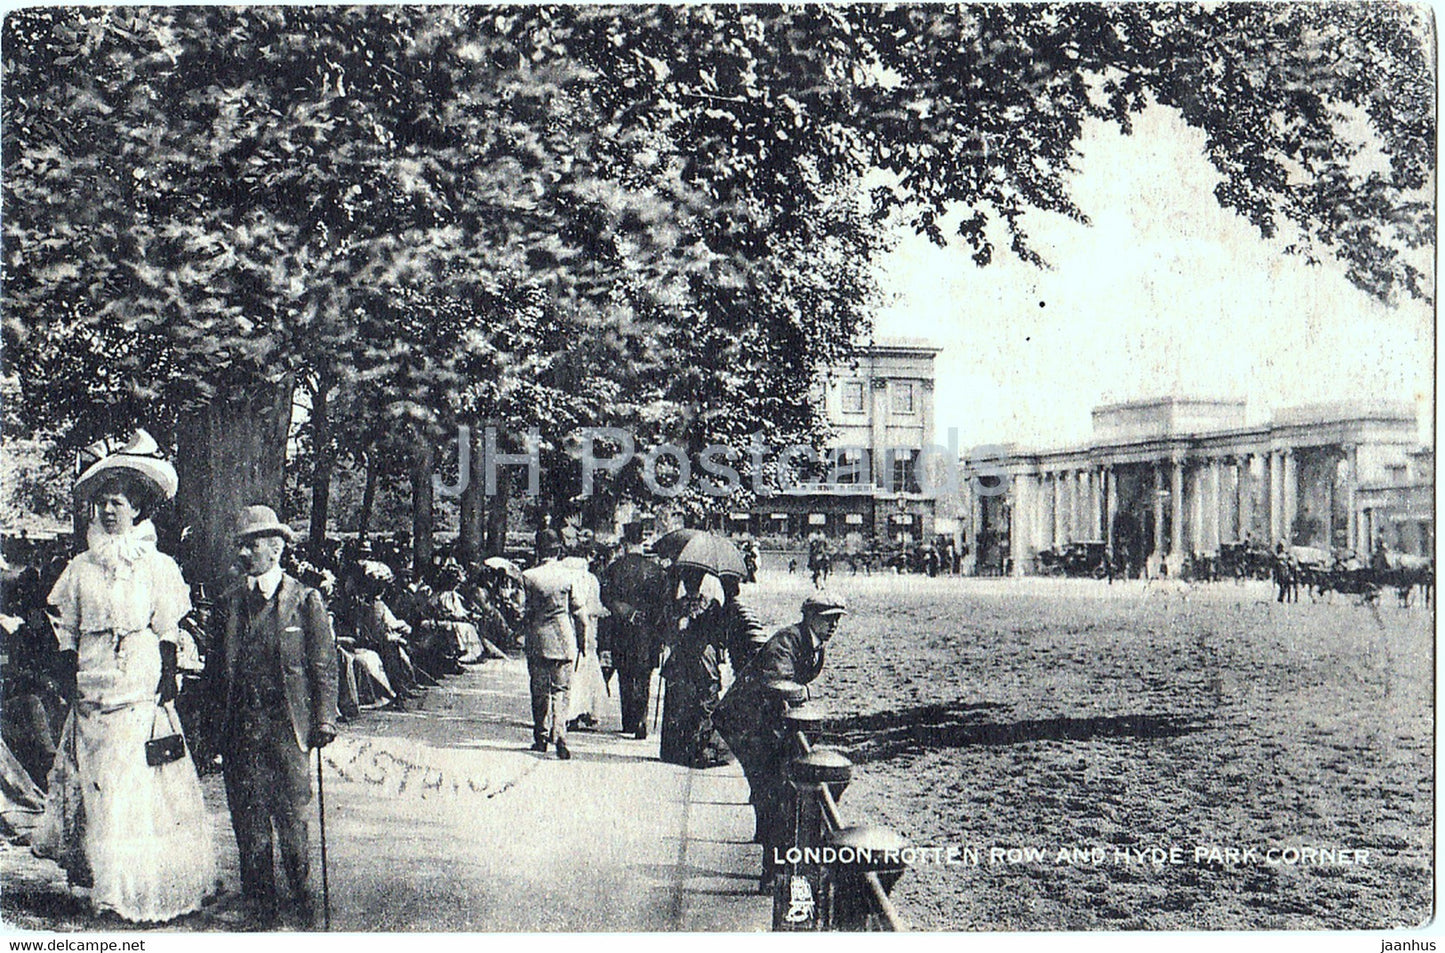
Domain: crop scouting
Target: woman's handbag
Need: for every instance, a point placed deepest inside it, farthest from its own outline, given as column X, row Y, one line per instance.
column 167, row 748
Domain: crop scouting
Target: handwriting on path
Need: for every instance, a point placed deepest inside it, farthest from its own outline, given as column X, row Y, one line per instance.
column 393, row 769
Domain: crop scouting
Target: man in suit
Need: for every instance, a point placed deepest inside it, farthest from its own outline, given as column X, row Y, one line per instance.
column 634, row 637
column 273, row 665
column 555, row 627
column 750, row 717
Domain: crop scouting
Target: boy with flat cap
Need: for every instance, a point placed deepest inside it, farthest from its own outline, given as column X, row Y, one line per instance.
column 750, row 717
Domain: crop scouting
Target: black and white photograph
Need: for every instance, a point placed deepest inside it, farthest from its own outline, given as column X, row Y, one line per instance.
column 716, row 469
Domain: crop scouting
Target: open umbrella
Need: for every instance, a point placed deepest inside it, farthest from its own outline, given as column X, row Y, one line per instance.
column 636, row 579
column 668, row 545
column 706, row 552
column 374, row 569
column 504, row 566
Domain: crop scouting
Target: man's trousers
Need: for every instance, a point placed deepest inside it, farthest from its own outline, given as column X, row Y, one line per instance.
column 634, row 688
column 268, row 786
column 551, row 681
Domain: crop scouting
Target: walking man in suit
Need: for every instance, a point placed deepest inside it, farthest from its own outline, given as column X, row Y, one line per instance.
column 556, row 627
column 273, row 665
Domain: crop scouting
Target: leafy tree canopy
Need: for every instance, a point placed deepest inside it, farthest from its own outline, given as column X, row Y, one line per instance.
column 640, row 216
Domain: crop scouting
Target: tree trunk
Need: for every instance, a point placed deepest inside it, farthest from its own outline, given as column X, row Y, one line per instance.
column 474, row 504
column 368, row 495
column 497, row 512
column 325, row 464
column 423, row 464
column 231, row 454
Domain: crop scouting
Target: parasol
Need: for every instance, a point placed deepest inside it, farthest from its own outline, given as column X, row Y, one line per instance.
column 702, row 551
column 668, row 545
column 635, row 579
column 504, row 566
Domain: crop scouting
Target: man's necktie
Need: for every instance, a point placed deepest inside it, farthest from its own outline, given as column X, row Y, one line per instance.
column 255, row 600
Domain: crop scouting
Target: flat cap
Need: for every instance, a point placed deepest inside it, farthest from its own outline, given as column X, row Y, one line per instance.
column 823, row 603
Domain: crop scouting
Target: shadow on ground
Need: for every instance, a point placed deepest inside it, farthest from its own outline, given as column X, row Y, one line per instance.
column 883, row 735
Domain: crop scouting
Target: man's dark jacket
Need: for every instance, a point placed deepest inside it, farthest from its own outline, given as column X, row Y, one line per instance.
column 307, row 656
column 788, row 655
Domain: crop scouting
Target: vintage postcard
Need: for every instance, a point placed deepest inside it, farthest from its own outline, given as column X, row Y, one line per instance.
column 710, row 468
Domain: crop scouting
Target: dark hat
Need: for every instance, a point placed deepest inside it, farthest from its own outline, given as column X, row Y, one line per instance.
column 262, row 521
column 822, row 603
column 548, row 541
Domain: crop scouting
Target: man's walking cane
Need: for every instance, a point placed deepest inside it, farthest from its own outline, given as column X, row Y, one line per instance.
column 321, row 810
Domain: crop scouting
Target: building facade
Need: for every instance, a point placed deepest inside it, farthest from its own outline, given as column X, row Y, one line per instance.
column 1400, row 512
column 1165, row 478
column 880, row 410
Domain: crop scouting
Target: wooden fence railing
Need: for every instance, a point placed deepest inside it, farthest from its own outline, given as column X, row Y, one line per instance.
column 830, row 875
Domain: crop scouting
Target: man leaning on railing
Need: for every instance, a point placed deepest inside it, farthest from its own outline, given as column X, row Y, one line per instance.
column 750, row 716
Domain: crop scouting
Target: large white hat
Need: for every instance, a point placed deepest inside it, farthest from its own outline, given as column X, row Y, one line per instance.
column 141, row 456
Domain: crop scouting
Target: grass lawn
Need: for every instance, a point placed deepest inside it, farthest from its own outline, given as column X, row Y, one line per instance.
column 1072, row 714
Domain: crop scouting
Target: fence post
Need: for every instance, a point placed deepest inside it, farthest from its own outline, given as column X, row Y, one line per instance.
column 798, row 884
column 769, row 792
column 805, row 719
column 862, row 851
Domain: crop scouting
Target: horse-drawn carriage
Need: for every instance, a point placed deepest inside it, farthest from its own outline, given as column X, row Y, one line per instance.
column 1245, row 560
column 1081, row 558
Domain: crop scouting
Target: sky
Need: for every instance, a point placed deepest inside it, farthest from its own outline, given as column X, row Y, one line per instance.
column 1164, row 293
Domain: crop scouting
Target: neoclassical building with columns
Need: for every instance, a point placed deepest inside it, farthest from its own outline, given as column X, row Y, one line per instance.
column 1165, row 478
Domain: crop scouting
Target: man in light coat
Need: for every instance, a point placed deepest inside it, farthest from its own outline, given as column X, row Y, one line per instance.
column 273, row 668
column 555, row 624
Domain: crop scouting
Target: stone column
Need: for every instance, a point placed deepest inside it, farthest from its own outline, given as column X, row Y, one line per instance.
column 1176, row 489
column 1066, row 510
column 975, row 515
column 1271, row 474
column 1158, row 510
column 1111, row 507
column 1071, row 501
column 1243, row 512
column 1081, row 504
column 1194, row 493
column 1022, row 524
column 1214, row 501
column 1094, row 488
column 1058, row 492
column 1068, row 493
column 1352, row 484
column 1289, row 503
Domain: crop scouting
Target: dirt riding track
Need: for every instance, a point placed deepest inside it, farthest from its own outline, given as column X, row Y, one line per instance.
column 1072, row 714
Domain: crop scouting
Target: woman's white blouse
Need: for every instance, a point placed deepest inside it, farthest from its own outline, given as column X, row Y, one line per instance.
column 120, row 585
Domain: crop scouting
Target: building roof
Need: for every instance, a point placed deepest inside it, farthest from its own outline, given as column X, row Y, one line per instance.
column 898, row 344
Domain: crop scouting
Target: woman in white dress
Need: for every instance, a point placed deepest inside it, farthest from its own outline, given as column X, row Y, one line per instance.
column 136, row 834
column 589, row 692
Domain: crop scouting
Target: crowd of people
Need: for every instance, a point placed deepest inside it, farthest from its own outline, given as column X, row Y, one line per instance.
column 123, row 684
